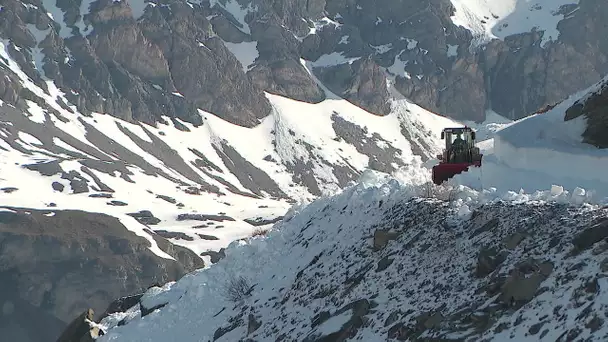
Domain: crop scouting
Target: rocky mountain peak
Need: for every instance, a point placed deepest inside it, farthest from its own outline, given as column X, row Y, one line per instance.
column 145, row 60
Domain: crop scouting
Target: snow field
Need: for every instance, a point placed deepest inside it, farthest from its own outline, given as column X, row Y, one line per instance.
column 493, row 19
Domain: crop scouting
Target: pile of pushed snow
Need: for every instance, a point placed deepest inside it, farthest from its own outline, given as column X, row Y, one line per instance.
column 407, row 267
column 543, row 151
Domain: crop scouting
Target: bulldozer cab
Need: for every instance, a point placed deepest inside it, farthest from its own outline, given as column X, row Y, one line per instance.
column 452, row 134
column 460, row 153
column 459, row 145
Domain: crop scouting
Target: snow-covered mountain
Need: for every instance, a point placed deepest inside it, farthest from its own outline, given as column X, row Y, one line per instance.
column 169, row 129
column 204, row 186
column 392, row 258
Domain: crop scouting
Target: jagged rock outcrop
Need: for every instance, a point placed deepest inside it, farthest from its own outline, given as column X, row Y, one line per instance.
column 168, row 59
column 594, row 107
column 166, row 63
column 58, row 263
column 81, row 329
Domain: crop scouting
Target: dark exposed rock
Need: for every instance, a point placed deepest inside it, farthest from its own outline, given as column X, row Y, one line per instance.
column 182, row 255
column 487, row 261
column 288, row 78
column 145, row 311
column 524, row 280
column 145, row 217
column 167, row 198
column 252, row 324
column 117, row 203
column 224, row 330
column 383, row 264
column 57, row 186
column 45, row 168
column 101, row 195
column 58, row 265
column 99, row 185
column 80, row 330
column 359, row 308
column 122, row 304
column 204, row 217
column 78, row 183
column 591, row 236
column 215, row 256
column 382, row 237
column 382, row 155
column 361, row 82
column 207, row 237
column 259, row 221
column 252, row 178
column 174, row 235
column 512, row 241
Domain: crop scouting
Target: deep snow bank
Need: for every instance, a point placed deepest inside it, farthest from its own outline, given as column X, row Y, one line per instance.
column 373, row 263
column 545, row 144
column 543, row 151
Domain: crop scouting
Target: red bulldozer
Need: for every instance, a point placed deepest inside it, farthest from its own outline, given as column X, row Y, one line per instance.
column 460, row 153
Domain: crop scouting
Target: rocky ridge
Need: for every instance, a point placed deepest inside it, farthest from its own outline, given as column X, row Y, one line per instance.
column 149, row 60
column 370, row 266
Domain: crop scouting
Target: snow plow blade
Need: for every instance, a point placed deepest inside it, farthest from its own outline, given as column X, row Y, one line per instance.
column 443, row 172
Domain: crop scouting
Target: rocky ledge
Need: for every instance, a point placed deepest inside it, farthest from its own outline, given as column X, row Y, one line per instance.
column 168, row 58
column 594, row 108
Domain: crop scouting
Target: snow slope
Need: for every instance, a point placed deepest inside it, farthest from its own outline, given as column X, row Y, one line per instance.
column 227, row 182
column 490, row 19
column 331, row 269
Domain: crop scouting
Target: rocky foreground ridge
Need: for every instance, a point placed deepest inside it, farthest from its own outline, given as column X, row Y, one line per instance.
column 141, row 60
column 368, row 265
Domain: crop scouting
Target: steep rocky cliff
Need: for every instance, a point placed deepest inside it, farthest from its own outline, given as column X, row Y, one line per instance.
column 56, row 263
column 144, row 60
column 594, row 108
